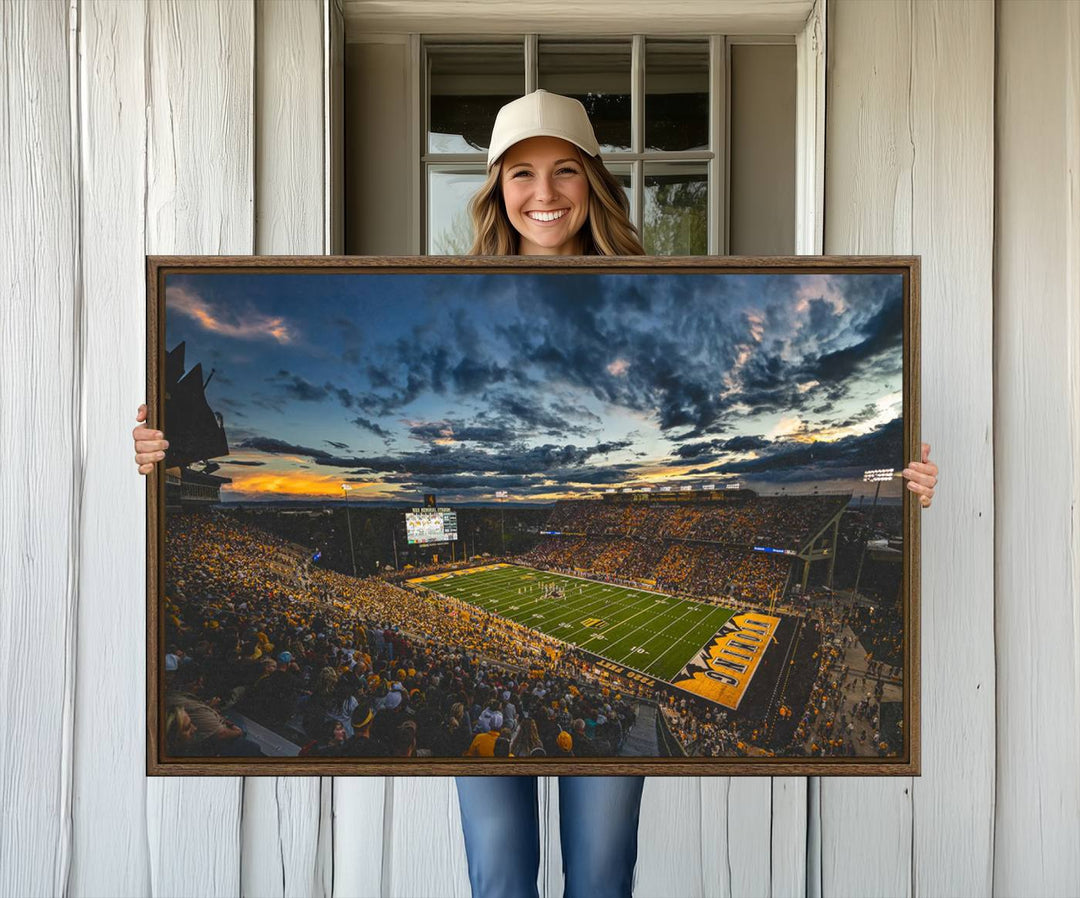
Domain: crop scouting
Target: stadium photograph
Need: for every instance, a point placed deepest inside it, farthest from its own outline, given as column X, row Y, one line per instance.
column 511, row 515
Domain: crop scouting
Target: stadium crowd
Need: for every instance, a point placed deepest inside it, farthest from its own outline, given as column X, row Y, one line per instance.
column 778, row 521
column 699, row 569
column 361, row 668
column 364, row 667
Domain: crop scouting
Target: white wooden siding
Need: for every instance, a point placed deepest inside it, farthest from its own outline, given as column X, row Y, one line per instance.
column 1037, row 451
column 135, row 127
column 41, row 434
column 909, row 150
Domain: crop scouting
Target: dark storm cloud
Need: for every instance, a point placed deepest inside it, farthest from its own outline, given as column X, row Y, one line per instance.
column 336, row 444
column 471, row 376
column 864, row 414
column 394, row 396
column 296, row 387
column 673, row 360
column 364, row 424
column 479, row 484
column 485, row 432
column 532, row 416
column 597, row 476
column 236, row 461
column 790, row 460
column 449, row 459
column 572, row 410
column 636, row 369
column 432, row 359
column 883, row 332
column 280, row 447
column 711, row 448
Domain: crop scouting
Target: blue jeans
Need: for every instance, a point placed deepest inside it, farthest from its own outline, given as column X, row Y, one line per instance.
column 598, row 821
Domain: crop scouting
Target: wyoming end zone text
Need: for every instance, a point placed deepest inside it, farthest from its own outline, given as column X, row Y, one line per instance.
column 453, row 516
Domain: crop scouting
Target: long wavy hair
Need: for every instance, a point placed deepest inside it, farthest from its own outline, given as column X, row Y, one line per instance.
column 607, row 230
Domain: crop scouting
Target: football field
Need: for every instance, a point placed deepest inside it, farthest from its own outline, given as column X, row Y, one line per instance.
column 646, row 631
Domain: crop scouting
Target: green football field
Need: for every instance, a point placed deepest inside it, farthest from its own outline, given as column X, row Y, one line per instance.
column 647, row 631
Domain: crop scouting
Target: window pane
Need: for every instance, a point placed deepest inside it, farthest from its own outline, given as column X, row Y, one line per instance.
column 623, row 174
column 676, row 209
column 676, row 95
column 597, row 74
column 467, row 84
column 449, row 191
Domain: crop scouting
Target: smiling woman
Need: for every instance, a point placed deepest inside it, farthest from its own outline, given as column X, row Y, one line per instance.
column 546, row 196
column 547, row 190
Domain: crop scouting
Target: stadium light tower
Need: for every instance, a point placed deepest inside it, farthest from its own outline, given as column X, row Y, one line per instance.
column 348, row 519
column 876, row 476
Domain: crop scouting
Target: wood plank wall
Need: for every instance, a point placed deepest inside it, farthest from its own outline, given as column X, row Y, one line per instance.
column 1037, row 450
column 179, row 127
column 909, row 169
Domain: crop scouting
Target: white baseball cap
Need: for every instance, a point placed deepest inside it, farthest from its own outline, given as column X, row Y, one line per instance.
column 541, row 114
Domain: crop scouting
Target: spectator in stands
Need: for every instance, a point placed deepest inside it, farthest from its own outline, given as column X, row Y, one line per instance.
column 215, row 735
column 179, row 731
column 404, row 740
column 527, row 743
column 361, row 744
column 483, row 743
column 564, row 745
column 584, row 747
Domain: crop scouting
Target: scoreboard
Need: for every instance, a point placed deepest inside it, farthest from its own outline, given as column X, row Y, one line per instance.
column 430, row 525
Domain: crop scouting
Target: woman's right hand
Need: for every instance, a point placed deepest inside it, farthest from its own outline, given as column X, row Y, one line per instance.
column 150, row 445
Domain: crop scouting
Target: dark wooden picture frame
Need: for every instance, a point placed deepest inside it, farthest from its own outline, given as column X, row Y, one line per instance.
column 679, row 511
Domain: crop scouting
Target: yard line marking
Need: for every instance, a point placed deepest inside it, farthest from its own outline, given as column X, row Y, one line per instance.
column 679, row 642
column 498, row 596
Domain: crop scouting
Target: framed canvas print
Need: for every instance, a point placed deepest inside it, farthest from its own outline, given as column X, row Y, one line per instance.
column 533, row 516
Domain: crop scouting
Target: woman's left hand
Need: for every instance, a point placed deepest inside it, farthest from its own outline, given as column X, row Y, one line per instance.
column 922, row 477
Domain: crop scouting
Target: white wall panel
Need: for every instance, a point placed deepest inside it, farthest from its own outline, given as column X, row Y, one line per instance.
column 360, row 812
column 41, row 435
column 866, row 823
column 200, row 187
column 109, row 813
column 424, row 849
column 670, row 840
column 952, row 131
column 289, row 132
column 910, row 170
column 1037, row 446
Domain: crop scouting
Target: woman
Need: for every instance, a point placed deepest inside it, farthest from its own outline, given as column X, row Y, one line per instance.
column 548, row 193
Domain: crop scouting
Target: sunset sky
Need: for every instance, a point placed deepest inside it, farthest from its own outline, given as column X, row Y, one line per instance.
column 544, row 385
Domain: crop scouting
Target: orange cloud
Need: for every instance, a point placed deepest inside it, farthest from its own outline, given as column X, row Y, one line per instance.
column 255, row 327
column 305, row 484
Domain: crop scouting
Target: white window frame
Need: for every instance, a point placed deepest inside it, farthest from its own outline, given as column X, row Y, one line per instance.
column 809, row 42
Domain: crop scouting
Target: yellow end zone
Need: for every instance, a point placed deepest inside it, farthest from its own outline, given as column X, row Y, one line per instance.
column 722, row 670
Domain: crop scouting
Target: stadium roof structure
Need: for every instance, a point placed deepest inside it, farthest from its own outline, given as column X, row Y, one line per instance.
column 826, row 523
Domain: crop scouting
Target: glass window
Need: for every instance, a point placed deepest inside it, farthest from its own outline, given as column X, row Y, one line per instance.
column 676, row 210
column 597, row 74
column 467, row 84
column 449, row 190
column 676, row 95
column 624, row 174
column 650, row 103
